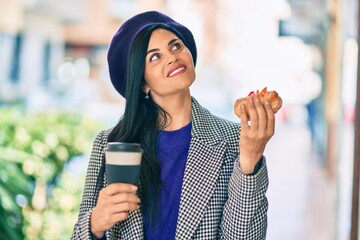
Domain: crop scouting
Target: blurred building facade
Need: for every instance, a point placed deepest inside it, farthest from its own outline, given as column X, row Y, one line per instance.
column 236, row 44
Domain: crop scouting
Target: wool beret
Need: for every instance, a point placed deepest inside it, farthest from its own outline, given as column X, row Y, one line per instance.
column 121, row 43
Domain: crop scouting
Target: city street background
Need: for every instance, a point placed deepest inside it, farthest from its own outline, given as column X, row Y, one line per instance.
column 55, row 95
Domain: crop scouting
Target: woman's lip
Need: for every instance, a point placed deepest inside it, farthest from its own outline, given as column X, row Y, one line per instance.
column 176, row 68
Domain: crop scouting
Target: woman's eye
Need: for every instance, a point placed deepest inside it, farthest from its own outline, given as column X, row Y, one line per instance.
column 154, row 57
column 176, row 46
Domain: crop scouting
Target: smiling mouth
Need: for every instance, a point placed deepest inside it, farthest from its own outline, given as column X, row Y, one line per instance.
column 176, row 71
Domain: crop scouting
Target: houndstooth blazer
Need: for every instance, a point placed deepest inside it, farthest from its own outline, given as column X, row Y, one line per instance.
column 217, row 200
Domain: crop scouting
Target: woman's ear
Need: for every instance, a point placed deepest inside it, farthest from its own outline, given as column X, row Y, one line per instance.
column 146, row 88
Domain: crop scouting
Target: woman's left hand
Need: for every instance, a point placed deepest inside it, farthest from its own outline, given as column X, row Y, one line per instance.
column 255, row 132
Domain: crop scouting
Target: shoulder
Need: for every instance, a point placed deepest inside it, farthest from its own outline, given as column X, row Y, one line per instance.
column 207, row 125
column 203, row 116
column 226, row 130
column 102, row 137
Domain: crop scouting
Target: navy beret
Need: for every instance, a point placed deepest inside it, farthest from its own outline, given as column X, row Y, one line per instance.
column 121, row 43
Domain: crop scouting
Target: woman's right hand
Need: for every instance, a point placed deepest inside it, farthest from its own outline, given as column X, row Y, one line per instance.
column 113, row 205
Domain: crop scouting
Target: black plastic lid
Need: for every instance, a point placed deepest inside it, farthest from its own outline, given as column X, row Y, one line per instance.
column 123, row 147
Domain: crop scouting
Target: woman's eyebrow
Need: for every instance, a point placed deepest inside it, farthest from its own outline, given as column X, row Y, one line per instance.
column 157, row 49
column 152, row 50
column 172, row 41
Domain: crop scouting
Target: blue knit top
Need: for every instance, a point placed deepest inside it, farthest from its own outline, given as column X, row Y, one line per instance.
column 172, row 151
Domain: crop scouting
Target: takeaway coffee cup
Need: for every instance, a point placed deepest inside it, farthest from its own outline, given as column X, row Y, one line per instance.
column 123, row 162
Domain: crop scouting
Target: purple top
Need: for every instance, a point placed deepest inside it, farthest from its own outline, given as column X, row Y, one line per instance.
column 172, row 151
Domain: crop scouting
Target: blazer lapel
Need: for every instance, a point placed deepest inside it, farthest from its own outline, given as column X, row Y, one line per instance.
column 201, row 173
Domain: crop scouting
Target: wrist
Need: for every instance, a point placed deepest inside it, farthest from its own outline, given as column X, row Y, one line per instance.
column 98, row 233
column 93, row 237
column 248, row 165
column 245, row 169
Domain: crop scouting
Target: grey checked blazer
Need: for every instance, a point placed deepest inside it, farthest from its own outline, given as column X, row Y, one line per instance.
column 217, row 200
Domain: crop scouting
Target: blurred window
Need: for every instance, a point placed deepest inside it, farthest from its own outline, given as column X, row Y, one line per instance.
column 47, row 60
column 6, row 46
column 15, row 61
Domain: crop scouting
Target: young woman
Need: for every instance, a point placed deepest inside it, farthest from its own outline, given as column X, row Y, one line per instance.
column 199, row 179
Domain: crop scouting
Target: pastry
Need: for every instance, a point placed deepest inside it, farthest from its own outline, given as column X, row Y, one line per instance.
column 272, row 96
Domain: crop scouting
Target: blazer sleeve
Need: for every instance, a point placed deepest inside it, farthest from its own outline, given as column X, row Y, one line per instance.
column 94, row 182
column 245, row 212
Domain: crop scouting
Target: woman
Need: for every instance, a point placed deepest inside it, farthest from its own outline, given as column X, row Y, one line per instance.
column 199, row 179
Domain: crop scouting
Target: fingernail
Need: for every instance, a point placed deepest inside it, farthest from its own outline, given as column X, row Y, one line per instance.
column 134, row 187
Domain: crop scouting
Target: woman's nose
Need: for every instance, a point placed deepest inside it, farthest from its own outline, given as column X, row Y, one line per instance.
column 172, row 58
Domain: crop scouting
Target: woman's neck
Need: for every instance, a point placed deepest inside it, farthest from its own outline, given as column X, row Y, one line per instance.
column 179, row 110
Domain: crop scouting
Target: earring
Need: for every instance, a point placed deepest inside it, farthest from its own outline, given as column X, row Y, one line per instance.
column 147, row 95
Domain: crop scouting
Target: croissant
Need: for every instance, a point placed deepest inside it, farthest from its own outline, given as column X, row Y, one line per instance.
column 272, row 96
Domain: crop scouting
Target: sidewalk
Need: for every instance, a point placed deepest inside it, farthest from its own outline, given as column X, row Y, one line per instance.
column 301, row 198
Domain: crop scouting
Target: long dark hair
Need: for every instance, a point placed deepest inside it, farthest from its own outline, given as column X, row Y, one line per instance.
column 140, row 123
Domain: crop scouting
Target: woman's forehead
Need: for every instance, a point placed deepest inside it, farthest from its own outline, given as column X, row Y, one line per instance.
column 161, row 35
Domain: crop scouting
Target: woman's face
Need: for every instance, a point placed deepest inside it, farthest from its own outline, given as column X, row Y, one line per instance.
column 169, row 67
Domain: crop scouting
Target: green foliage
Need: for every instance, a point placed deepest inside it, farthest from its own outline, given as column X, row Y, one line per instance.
column 38, row 200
